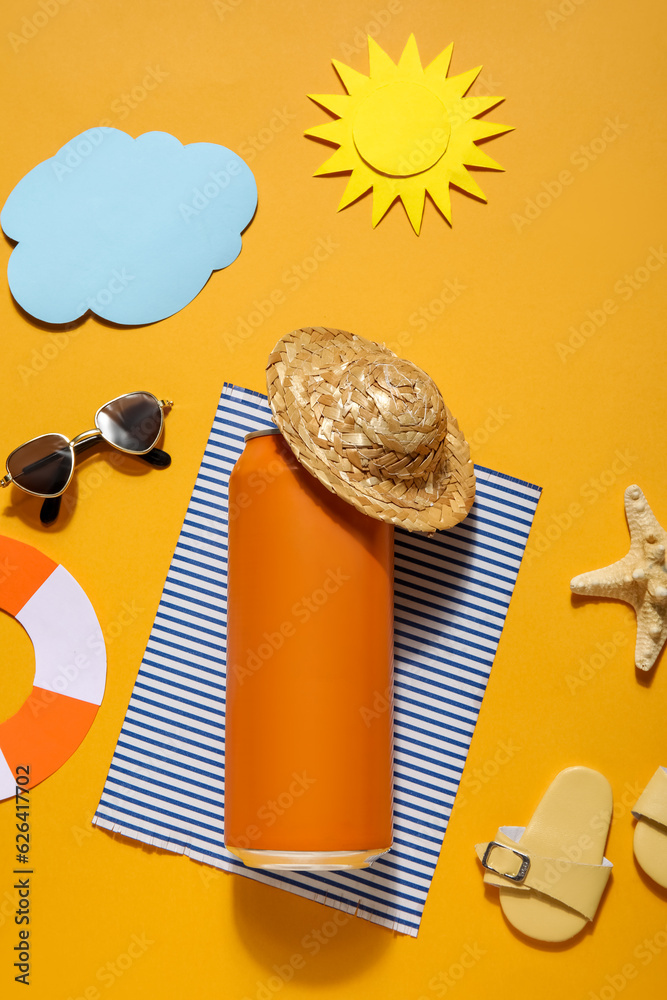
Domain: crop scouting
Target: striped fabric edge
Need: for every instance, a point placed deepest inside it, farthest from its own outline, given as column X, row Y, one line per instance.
column 447, row 633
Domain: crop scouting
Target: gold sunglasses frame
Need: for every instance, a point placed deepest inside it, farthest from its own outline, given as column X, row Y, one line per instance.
column 84, row 438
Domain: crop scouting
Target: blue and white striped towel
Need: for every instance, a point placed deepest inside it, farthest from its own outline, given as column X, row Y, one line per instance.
column 165, row 785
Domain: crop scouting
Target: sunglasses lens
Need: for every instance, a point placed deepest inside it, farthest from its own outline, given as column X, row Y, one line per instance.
column 42, row 466
column 132, row 422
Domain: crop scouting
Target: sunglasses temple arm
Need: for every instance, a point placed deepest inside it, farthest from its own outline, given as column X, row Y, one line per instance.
column 50, row 510
column 51, row 505
column 157, row 458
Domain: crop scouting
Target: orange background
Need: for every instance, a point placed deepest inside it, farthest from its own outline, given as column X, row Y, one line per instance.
column 110, row 915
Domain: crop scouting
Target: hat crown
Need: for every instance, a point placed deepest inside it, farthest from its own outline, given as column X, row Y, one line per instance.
column 371, row 427
column 392, row 411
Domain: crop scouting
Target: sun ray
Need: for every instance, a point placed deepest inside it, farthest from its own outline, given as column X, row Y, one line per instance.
column 337, row 104
column 437, row 70
column 335, row 132
column 476, row 157
column 478, row 105
column 413, row 200
column 459, row 85
column 381, row 66
column 403, row 131
column 410, row 64
column 343, row 159
column 384, row 195
column 439, row 191
column 359, row 183
column 460, row 177
column 476, row 129
column 353, row 81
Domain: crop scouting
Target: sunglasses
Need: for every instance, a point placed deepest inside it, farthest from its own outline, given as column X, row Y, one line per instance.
column 44, row 466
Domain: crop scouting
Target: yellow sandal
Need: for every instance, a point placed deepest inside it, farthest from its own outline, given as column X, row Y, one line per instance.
column 650, row 841
column 552, row 873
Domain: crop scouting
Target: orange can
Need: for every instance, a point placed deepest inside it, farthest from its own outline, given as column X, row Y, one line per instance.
column 308, row 755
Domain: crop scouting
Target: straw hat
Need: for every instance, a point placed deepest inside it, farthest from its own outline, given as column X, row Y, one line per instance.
column 372, row 427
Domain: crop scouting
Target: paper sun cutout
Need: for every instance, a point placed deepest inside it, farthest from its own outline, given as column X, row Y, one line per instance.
column 404, row 131
column 129, row 229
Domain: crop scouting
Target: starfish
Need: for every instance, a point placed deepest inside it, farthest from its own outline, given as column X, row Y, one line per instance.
column 640, row 578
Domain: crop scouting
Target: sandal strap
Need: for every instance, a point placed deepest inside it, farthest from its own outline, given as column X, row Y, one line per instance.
column 508, row 864
column 652, row 803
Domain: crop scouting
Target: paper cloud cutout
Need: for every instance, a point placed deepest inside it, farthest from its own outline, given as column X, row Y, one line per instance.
column 130, row 229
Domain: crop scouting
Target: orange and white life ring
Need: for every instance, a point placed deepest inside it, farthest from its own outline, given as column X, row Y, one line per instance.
column 70, row 665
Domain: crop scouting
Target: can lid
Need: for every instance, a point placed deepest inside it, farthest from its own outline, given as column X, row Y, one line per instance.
column 264, row 430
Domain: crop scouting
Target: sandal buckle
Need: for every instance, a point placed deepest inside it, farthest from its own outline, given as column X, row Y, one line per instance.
column 523, row 868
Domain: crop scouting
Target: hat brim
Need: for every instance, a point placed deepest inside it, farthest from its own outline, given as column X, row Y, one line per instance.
column 448, row 508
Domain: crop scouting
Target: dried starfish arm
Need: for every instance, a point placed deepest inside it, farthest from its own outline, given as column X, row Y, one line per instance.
column 642, row 522
column 640, row 578
column 651, row 635
column 614, row 581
